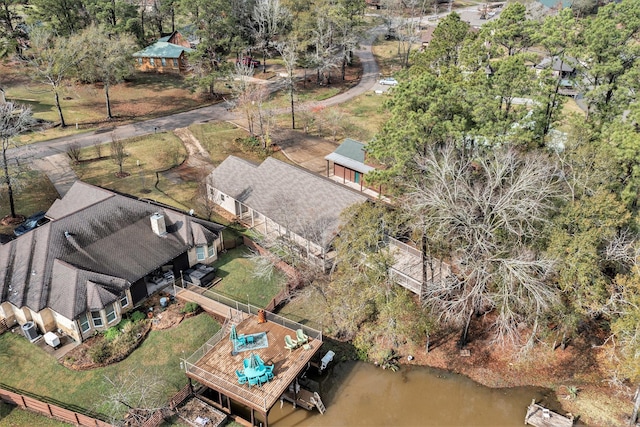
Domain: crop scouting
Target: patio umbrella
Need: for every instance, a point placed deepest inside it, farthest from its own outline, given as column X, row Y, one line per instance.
column 233, row 336
column 253, row 361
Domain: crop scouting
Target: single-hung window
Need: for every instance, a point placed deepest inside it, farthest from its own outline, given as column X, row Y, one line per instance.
column 164, row 62
column 152, row 62
column 175, row 62
column 140, row 61
column 124, row 301
column 211, row 250
column 96, row 318
column 84, row 323
column 200, row 253
column 111, row 313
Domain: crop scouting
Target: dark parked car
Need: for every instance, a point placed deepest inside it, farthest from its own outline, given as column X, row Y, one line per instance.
column 35, row 220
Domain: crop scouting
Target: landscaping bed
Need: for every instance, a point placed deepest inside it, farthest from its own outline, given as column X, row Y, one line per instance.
column 83, row 357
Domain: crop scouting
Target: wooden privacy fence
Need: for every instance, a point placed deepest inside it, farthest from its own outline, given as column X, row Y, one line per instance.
column 49, row 409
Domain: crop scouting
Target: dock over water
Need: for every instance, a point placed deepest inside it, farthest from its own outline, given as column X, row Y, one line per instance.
column 539, row 416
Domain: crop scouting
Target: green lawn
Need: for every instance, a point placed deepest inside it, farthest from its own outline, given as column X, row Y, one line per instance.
column 11, row 416
column 219, row 140
column 239, row 283
column 25, row 366
column 145, row 156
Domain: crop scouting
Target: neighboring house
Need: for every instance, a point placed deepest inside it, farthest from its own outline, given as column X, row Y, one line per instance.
column 167, row 55
column 563, row 68
column 99, row 256
column 278, row 200
column 349, row 164
column 426, row 36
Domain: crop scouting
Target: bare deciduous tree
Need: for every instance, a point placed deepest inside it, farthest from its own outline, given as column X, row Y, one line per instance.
column 289, row 52
column 136, row 392
column 118, row 153
column 14, row 119
column 269, row 19
column 484, row 212
column 73, row 152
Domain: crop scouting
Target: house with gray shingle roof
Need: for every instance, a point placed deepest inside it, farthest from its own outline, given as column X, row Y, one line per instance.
column 166, row 55
column 100, row 255
column 279, row 200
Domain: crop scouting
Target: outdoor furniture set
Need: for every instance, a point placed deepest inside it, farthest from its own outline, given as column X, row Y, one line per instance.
column 300, row 340
column 255, row 372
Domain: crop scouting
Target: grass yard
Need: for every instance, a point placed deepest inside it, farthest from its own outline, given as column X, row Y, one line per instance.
column 11, row 416
column 219, row 140
column 239, row 283
column 32, row 192
column 24, row 366
column 143, row 96
column 386, row 54
column 154, row 153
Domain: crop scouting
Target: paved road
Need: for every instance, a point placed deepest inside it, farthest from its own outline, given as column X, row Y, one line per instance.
column 217, row 112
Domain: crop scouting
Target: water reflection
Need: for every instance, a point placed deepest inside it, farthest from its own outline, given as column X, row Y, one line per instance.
column 359, row 394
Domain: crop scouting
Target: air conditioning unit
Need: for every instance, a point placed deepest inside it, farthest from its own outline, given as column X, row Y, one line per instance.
column 30, row 331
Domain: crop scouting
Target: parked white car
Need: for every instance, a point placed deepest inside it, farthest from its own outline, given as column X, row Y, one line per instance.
column 389, row 81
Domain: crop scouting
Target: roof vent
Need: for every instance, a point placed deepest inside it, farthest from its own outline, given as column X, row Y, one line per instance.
column 157, row 224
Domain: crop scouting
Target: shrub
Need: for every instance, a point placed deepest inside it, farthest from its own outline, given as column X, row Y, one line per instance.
column 111, row 333
column 137, row 316
column 190, row 307
column 100, row 352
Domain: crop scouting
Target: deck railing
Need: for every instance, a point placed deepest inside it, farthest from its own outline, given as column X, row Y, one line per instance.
column 251, row 309
column 236, row 389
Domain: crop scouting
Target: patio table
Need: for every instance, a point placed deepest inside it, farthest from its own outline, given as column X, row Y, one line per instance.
column 252, row 373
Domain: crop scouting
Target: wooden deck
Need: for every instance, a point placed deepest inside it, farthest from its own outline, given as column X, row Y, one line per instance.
column 216, row 367
column 539, row 416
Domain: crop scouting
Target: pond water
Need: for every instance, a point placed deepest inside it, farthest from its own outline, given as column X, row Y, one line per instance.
column 360, row 394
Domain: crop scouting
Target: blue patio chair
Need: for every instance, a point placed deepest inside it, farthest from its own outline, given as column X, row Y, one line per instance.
column 269, row 375
column 268, row 368
column 254, row 381
column 242, row 378
column 246, row 363
column 241, row 340
column 260, row 361
column 264, row 378
column 301, row 337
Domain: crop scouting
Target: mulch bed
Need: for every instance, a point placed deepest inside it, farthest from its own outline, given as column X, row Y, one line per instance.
column 79, row 359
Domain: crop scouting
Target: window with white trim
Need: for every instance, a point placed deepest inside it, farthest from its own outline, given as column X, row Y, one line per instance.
column 211, row 250
column 111, row 313
column 96, row 318
column 152, row 62
column 124, row 300
column 140, row 61
column 84, row 323
column 164, row 62
column 200, row 252
column 221, row 197
column 175, row 62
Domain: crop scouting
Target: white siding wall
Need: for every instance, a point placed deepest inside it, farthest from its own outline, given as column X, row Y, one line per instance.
column 226, row 202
